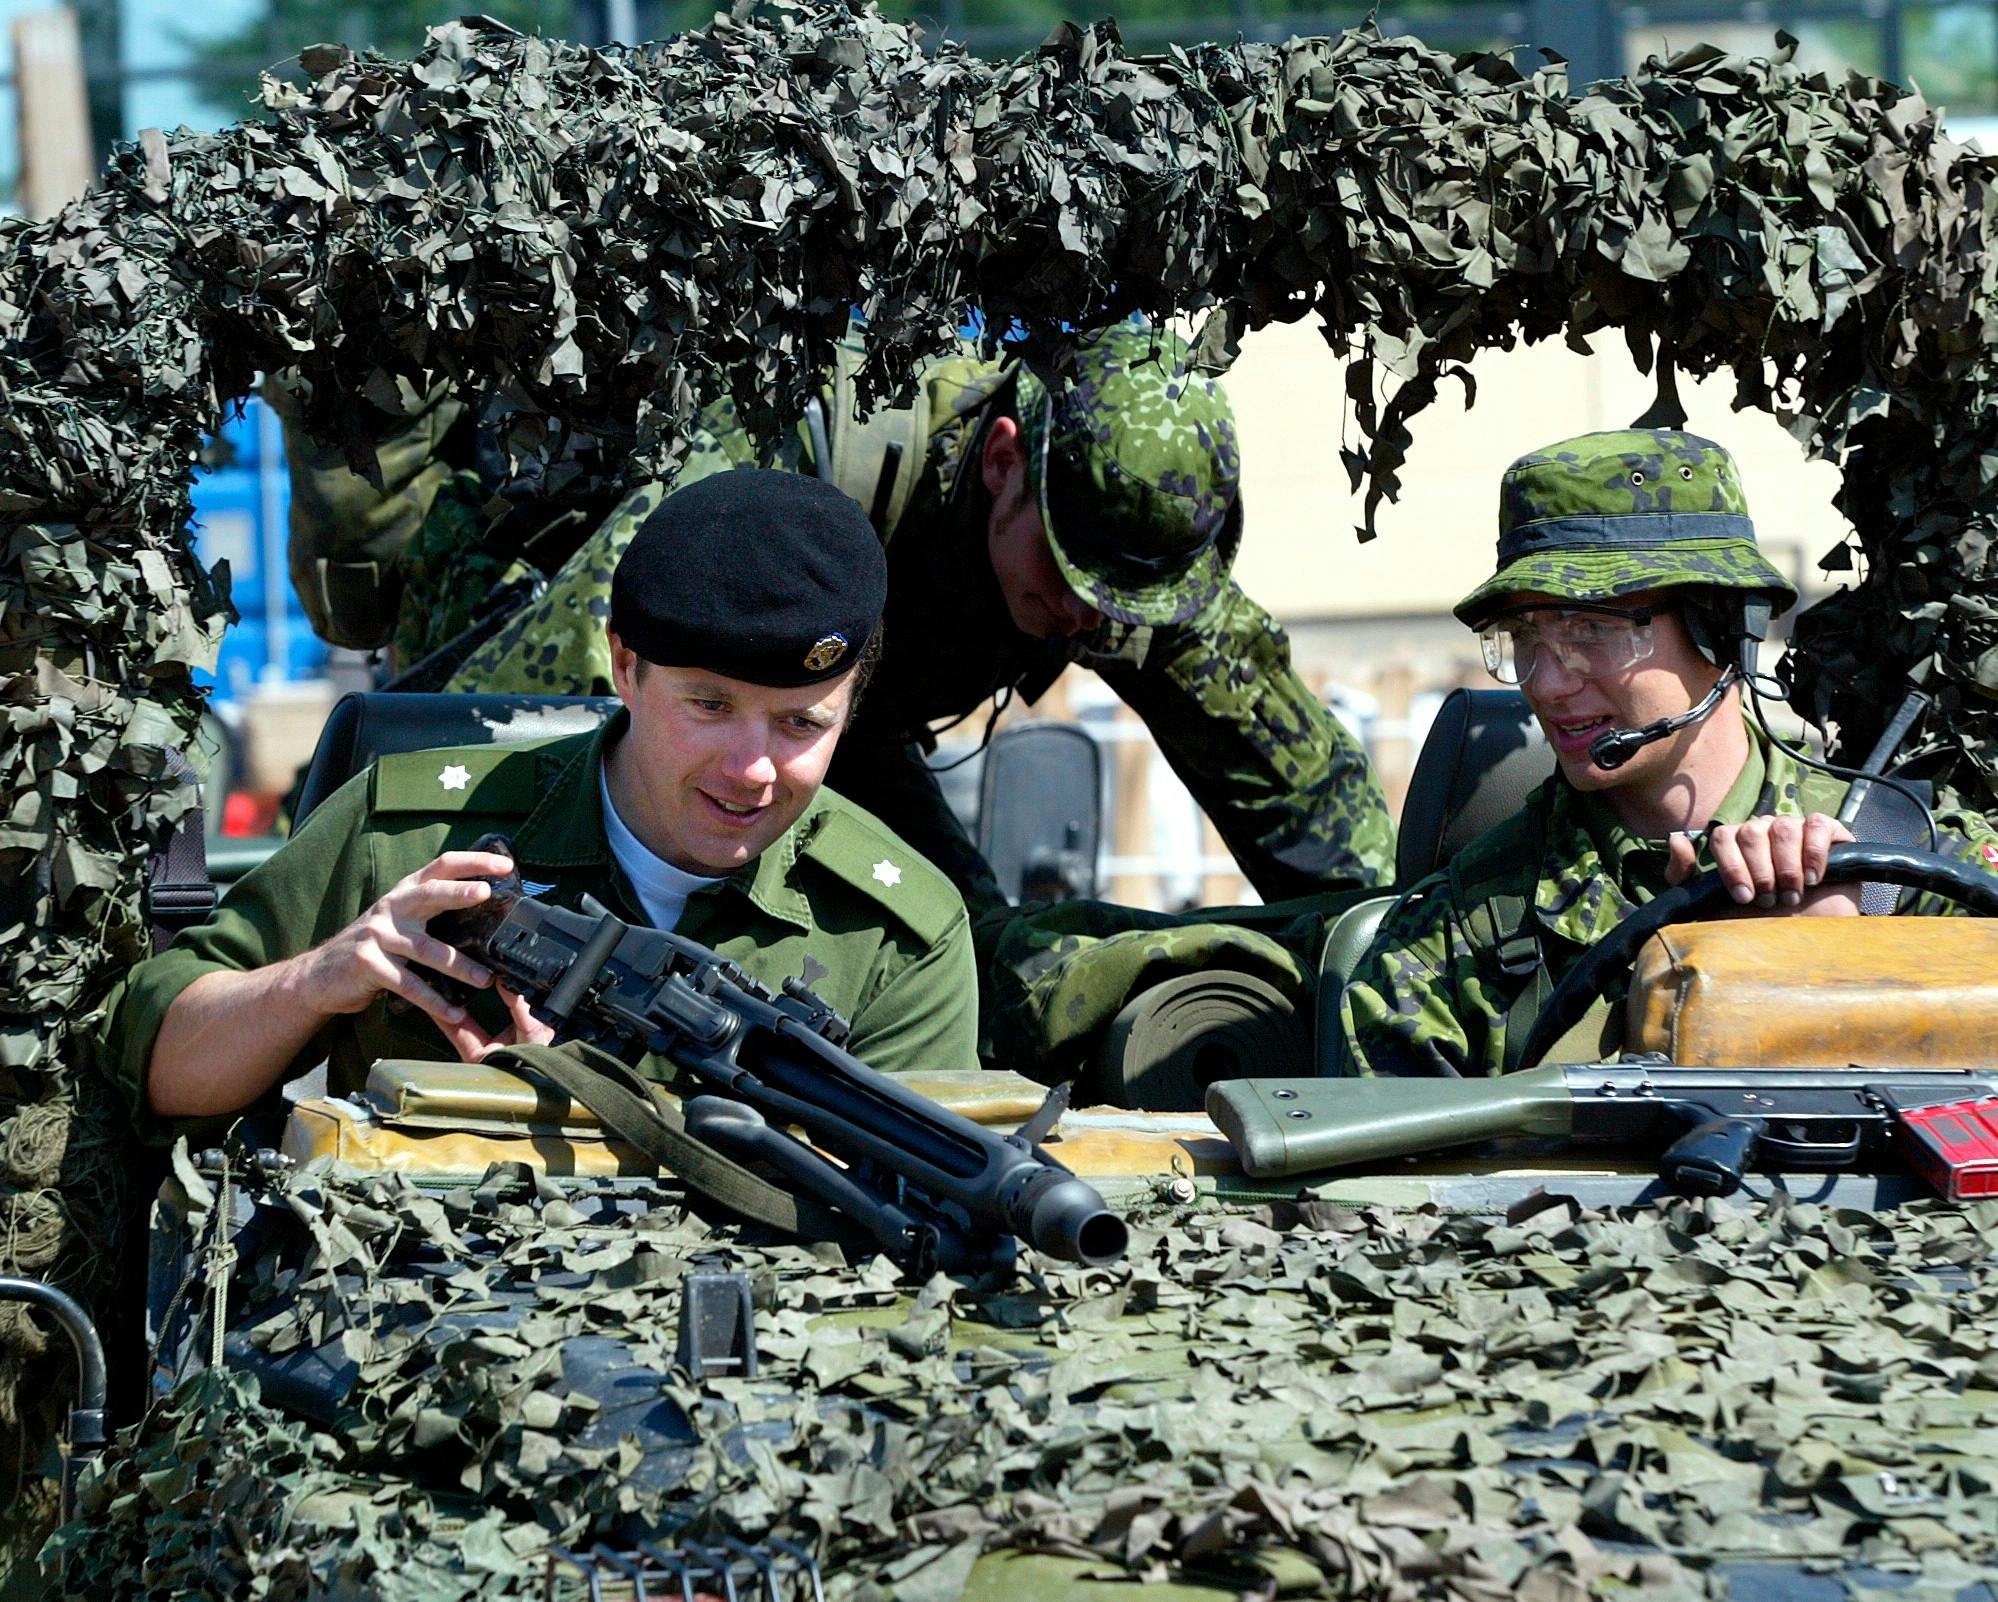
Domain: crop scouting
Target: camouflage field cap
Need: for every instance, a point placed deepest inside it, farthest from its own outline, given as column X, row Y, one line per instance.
column 1611, row 514
column 1139, row 476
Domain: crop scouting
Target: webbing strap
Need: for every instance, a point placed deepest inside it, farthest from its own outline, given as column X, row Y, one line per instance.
column 632, row 1108
column 178, row 891
column 1519, row 1017
column 220, row 1265
column 1500, row 922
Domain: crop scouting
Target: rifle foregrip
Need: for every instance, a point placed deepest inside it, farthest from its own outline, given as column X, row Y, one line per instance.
column 1280, row 1127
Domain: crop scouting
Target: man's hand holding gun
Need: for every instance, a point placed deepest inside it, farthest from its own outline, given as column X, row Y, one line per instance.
column 933, row 1189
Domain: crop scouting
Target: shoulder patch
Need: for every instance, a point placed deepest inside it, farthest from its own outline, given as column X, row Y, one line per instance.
column 864, row 854
column 497, row 779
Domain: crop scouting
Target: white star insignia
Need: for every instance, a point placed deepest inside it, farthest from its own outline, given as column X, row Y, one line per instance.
column 455, row 777
column 887, row 872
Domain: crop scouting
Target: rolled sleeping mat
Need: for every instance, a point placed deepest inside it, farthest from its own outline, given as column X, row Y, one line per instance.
column 1175, row 1039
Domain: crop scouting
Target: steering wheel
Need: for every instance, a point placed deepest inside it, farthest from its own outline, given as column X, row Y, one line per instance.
column 1610, row 956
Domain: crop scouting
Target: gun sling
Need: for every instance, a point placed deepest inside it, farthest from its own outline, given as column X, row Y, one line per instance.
column 631, row 1108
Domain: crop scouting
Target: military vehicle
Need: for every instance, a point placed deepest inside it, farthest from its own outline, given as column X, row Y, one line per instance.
column 453, row 1337
column 399, row 1370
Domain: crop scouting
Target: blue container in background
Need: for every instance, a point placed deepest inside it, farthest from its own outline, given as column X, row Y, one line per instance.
column 241, row 515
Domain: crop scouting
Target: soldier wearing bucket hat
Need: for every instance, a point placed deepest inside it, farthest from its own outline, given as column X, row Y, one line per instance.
column 1089, row 513
column 1627, row 605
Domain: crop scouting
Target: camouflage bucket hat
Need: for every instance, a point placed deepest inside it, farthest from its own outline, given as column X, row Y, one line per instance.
column 1605, row 515
column 1138, row 474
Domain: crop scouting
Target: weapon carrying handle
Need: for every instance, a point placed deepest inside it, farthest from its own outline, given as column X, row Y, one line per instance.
column 574, row 985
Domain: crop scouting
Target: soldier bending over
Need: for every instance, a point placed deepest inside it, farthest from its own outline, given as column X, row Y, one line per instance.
column 1027, row 525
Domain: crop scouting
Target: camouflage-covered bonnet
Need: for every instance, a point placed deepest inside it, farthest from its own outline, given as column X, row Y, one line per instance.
column 1139, row 476
column 1610, row 514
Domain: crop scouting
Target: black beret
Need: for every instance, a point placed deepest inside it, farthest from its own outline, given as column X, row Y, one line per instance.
column 769, row 577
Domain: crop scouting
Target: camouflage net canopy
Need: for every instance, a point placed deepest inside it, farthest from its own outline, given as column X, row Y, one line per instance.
column 1309, row 1399
column 591, row 242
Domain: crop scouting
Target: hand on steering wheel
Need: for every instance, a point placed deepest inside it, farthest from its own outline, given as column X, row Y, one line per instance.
column 1614, row 953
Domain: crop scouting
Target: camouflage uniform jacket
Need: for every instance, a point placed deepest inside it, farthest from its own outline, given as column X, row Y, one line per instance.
column 1432, row 993
column 890, row 950
column 1290, row 791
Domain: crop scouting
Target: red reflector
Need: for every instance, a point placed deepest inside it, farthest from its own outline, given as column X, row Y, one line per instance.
column 1954, row 1146
column 245, row 814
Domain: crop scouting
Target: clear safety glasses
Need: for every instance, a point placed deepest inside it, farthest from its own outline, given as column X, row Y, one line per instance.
column 1591, row 642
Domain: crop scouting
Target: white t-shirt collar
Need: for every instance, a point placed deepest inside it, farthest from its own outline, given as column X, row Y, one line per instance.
column 662, row 889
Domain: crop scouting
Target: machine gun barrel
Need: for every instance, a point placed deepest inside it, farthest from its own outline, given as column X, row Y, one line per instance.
column 946, row 1190
column 1709, row 1124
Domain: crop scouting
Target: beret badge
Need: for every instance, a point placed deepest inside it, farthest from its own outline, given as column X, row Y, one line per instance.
column 825, row 653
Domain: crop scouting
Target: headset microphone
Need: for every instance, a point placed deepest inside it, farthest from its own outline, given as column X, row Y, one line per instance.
column 1618, row 746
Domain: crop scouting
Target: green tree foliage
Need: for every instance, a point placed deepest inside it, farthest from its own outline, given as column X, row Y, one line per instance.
column 229, row 65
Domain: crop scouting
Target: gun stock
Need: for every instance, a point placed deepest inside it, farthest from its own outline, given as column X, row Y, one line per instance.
column 1280, row 1127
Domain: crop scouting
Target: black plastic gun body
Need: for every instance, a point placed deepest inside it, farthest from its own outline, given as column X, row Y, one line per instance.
column 933, row 1188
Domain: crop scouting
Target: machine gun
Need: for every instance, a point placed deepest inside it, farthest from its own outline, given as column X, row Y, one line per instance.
column 1710, row 1124
column 934, row 1190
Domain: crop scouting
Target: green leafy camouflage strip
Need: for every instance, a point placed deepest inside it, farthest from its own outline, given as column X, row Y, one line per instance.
column 1611, row 514
column 1430, row 996
column 1556, row 1405
column 1139, row 474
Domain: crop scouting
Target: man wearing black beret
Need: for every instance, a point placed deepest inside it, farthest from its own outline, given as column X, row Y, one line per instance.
column 744, row 618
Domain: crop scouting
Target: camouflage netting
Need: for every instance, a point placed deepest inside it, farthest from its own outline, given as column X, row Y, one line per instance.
column 1338, row 1402
column 583, row 240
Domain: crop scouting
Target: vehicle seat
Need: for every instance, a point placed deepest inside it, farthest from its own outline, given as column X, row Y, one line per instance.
column 1040, row 810
column 369, row 724
column 1483, row 756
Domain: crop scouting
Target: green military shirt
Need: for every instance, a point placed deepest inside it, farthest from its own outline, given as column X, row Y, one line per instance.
column 837, row 900
column 1432, row 994
column 1290, row 791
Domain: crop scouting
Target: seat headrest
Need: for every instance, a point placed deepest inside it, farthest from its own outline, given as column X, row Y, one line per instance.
column 1483, row 756
column 1040, row 811
column 369, row 724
